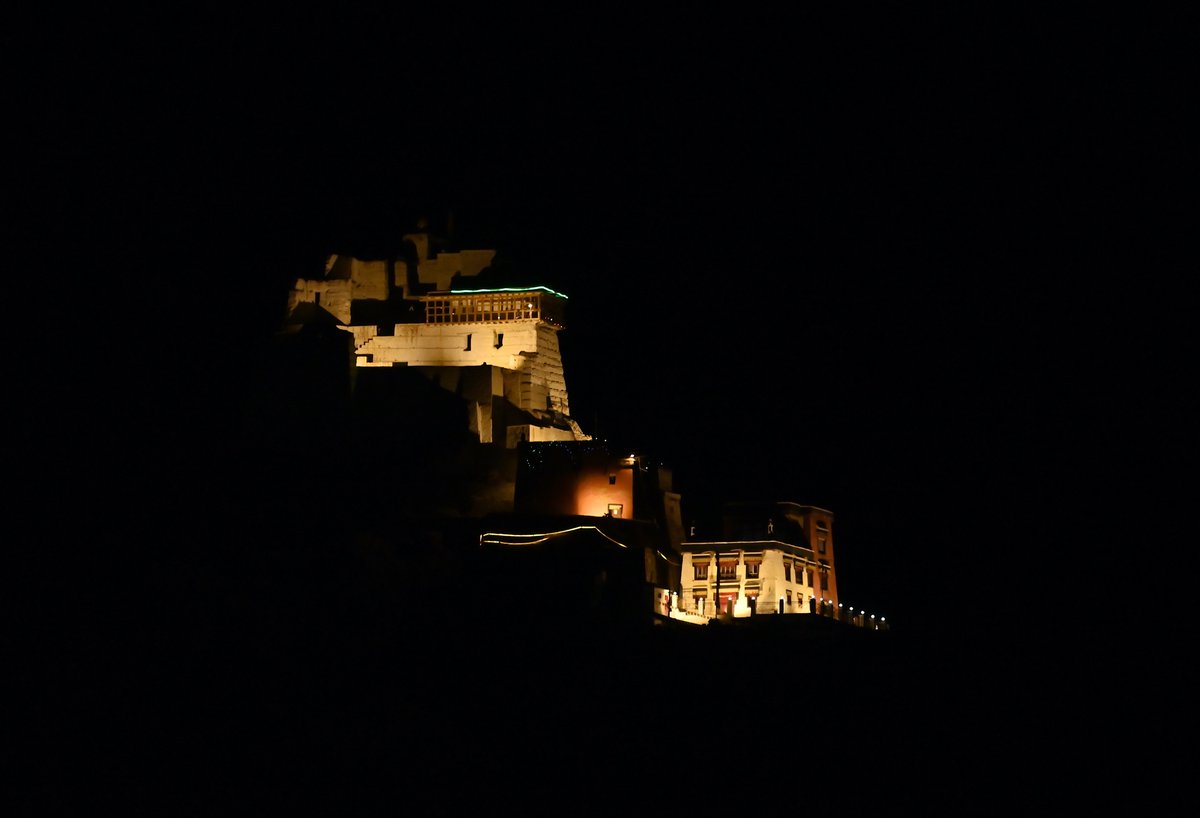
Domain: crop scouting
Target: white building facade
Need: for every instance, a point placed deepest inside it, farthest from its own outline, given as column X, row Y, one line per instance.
column 773, row 558
column 748, row 578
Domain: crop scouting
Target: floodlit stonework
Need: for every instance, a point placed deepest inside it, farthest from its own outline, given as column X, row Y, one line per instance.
column 772, row 558
column 490, row 346
column 592, row 524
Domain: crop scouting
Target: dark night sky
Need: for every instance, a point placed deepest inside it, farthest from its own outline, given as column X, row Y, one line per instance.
column 919, row 224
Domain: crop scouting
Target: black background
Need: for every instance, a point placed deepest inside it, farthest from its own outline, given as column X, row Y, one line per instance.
column 916, row 268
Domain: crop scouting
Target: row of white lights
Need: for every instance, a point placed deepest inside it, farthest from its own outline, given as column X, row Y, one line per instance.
column 862, row 611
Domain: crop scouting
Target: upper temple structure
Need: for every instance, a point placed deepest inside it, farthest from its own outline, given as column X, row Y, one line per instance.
column 495, row 347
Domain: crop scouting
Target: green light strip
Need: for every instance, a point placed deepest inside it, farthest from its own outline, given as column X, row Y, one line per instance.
column 508, row 290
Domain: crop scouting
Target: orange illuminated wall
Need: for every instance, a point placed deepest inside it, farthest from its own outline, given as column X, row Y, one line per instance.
column 573, row 478
column 604, row 487
column 817, row 524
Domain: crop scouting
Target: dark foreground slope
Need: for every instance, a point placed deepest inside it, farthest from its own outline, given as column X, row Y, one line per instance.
column 304, row 676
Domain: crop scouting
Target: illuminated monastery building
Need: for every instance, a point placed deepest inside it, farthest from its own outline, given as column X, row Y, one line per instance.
column 604, row 518
column 768, row 558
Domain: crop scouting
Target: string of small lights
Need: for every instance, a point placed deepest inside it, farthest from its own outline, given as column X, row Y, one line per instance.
column 489, row 538
column 546, row 453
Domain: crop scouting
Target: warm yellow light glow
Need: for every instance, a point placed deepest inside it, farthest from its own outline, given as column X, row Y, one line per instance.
column 507, row 290
column 534, row 539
